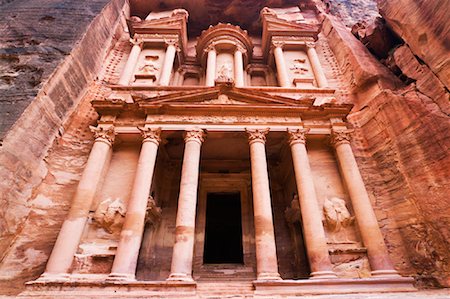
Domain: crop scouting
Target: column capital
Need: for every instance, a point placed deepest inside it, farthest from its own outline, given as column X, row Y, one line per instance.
column 310, row 44
column 257, row 135
column 104, row 134
column 340, row 137
column 297, row 135
column 278, row 44
column 136, row 42
column 197, row 135
column 210, row 47
column 240, row 48
column 172, row 42
column 151, row 135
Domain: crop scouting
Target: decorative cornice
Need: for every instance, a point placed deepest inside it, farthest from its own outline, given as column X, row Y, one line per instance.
column 257, row 135
column 340, row 137
column 197, row 135
column 151, row 135
column 297, row 136
column 104, row 134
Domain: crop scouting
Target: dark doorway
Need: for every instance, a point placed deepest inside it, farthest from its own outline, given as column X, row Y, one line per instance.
column 223, row 230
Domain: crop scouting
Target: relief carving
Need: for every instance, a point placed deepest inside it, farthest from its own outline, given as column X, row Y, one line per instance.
column 225, row 72
column 110, row 215
column 299, row 66
column 150, row 66
column 337, row 217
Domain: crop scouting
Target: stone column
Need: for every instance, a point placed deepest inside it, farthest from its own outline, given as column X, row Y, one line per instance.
column 239, row 67
column 314, row 234
column 128, row 71
column 372, row 238
column 183, row 249
column 72, row 229
column 125, row 261
column 211, row 66
column 283, row 76
column 266, row 253
column 316, row 66
column 167, row 66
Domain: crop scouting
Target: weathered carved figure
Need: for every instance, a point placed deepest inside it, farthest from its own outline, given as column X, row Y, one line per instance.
column 110, row 214
column 337, row 216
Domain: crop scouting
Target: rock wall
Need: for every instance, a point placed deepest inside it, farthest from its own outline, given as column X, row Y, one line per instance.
column 51, row 52
column 402, row 137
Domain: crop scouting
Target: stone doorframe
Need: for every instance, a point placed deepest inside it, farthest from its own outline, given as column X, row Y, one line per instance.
column 216, row 183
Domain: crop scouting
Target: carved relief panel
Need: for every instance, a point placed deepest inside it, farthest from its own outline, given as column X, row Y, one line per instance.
column 148, row 68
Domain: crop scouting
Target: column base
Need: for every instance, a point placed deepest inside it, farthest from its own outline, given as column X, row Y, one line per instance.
column 323, row 274
column 179, row 277
column 385, row 273
column 120, row 277
column 269, row 276
column 56, row 277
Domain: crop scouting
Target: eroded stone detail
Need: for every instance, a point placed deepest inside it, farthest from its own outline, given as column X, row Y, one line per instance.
column 110, row 214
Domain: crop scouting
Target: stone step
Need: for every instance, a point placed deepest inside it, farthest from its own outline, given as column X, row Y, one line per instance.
column 229, row 289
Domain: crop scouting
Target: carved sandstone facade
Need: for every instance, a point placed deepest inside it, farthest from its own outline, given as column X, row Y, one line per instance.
column 256, row 122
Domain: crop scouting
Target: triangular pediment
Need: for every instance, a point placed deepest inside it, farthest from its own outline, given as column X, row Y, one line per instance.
column 276, row 24
column 221, row 96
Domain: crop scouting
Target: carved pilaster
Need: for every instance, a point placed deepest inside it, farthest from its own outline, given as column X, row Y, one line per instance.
column 104, row 134
column 257, row 135
column 151, row 135
column 297, row 135
column 340, row 137
column 197, row 135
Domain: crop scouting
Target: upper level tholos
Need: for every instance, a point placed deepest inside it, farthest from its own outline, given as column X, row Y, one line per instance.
column 283, row 55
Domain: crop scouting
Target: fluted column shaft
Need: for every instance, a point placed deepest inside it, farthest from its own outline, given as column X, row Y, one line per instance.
column 313, row 231
column 72, row 229
column 125, row 261
column 238, row 67
column 183, row 249
column 128, row 71
column 266, row 253
column 365, row 216
column 316, row 66
column 283, row 76
column 211, row 66
column 169, row 58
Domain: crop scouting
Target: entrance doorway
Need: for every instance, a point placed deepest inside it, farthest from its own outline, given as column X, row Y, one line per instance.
column 223, row 229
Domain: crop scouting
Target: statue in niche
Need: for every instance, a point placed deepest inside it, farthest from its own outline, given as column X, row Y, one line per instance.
column 225, row 71
column 299, row 66
column 337, row 216
column 110, row 215
column 150, row 67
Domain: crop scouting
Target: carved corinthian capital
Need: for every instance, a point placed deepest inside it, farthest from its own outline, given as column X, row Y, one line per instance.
column 197, row 135
column 257, row 135
column 297, row 135
column 151, row 135
column 340, row 137
column 104, row 134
